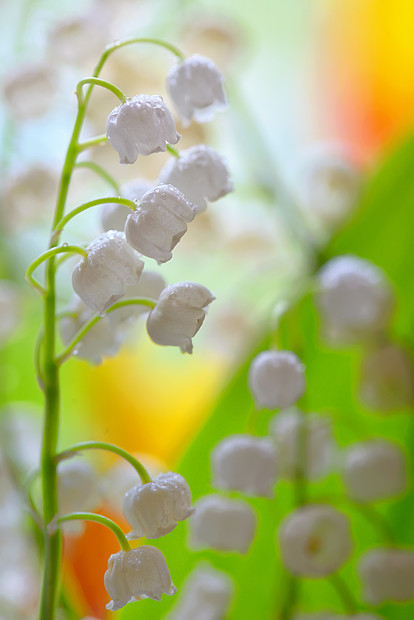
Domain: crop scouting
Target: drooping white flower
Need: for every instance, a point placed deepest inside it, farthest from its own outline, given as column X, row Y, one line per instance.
column 153, row 509
column 223, row 524
column 354, row 299
column 387, row 574
column 328, row 185
column 28, row 90
column 285, row 428
column 276, row 379
column 315, row 540
column 206, row 595
column 103, row 340
column 387, row 378
column 245, row 463
column 196, row 87
column 150, row 285
column 78, row 491
column 111, row 266
column 159, row 222
column 179, row 314
column 140, row 126
column 200, row 173
column 374, row 470
column 140, row 572
column 113, row 215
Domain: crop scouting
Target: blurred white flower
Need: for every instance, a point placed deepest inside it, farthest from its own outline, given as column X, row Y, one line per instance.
column 319, row 447
column 387, row 378
column 200, row 173
column 328, row 185
column 111, row 266
column 223, row 524
column 78, row 490
column 276, row 379
column 206, row 595
column 140, row 572
column 245, row 463
column 150, row 285
column 315, row 540
column 21, row 432
column 153, row 509
column 179, row 314
column 113, row 215
column 374, row 470
column 158, row 222
column 79, row 38
column 354, row 298
column 387, row 574
column 196, row 87
column 140, row 126
column 10, row 309
column 29, row 89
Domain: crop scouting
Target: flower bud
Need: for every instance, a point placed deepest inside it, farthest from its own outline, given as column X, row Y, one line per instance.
column 179, row 314
column 354, row 299
column 141, row 126
column 206, row 595
column 200, row 174
column 159, row 222
column 285, row 428
column 29, row 90
column 387, row 574
column 315, row 540
column 374, row 470
column 103, row 340
column 113, row 215
column 276, row 379
column 77, row 491
column 135, row 573
column 245, row 463
column 223, row 524
column 387, row 379
column 111, row 266
column 196, row 87
column 153, row 509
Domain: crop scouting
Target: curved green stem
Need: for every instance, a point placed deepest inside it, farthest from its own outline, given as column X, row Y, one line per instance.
column 139, row 301
column 44, row 257
column 173, row 151
column 91, row 516
column 102, row 173
column 93, row 203
column 109, row 447
column 99, row 82
column 95, row 141
column 344, row 594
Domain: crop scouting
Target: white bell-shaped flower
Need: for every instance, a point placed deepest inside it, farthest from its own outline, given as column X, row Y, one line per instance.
column 276, row 379
column 153, row 509
column 387, row 574
column 159, row 222
column 245, row 463
column 78, row 491
column 29, row 89
column 141, row 572
column 103, row 340
column 206, row 595
column 200, row 173
column 140, row 126
column 179, row 314
column 111, row 266
column 150, row 285
column 319, row 447
column 374, row 470
column 354, row 299
column 223, row 524
column 315, row 540
column 113, row 215
column 196, row 87
column 387, row 378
